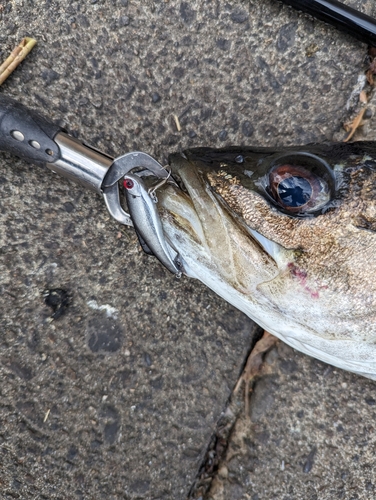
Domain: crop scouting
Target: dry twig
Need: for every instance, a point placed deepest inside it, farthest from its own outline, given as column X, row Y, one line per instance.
column 177, row 122
column 355, row 124
column 254, row 364
column 16, row 57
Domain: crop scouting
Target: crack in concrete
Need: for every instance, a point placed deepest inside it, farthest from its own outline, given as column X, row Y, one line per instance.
column 213, row 469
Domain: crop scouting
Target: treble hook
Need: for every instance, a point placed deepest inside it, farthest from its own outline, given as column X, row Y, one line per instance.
column 162, row 182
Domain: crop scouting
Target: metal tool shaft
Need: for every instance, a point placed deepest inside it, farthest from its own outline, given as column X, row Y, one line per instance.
column 80, row 163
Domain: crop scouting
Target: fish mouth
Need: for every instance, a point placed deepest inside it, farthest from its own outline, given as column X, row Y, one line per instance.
column 210, row 238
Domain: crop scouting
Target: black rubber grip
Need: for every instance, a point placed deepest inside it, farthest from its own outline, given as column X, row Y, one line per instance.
column 27, row 134
column 340, row 16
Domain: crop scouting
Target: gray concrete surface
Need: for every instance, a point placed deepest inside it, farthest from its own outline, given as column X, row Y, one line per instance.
column 124, row 406
column 310, row 436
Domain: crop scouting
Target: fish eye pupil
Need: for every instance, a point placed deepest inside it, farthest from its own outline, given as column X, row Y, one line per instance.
column 294, row 191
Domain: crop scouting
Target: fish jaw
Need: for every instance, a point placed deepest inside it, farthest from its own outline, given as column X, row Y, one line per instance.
column 212, row 233
column 237, row 258
column 243, row 267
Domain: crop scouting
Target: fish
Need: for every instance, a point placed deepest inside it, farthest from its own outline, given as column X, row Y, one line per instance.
column 287, row 236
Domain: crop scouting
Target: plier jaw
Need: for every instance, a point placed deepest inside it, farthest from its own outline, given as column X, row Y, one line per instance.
column 142, row 204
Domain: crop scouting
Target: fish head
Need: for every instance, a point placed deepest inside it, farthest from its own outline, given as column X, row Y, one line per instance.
column 288, row 237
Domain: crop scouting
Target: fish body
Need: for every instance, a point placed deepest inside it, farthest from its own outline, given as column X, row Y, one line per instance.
column 288, row 236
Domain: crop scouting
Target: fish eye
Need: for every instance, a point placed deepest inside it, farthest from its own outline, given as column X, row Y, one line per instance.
column 300, row 184
column 294, row 191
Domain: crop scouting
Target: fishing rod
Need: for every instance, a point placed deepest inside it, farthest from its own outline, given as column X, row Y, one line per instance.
column 340, row 16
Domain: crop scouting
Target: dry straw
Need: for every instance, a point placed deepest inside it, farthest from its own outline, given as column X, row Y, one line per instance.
column 16, row 57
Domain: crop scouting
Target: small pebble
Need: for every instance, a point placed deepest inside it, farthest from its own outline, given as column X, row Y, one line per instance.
column 367, row 114
column 247, row 128
column 239, row 16
column 155, row 97
column 223, row 472
column 123, row 21
column 222, row 136
column 310, row 460
column 147, row 359
column 370, row 401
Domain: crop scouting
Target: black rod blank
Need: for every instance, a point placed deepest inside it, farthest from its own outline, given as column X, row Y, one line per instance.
column 340, row 16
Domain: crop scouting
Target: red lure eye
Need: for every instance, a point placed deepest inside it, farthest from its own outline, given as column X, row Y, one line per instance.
column 128, row 184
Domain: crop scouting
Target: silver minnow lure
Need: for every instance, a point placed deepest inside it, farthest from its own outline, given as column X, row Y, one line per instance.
column 146, row 221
